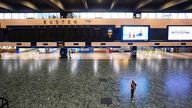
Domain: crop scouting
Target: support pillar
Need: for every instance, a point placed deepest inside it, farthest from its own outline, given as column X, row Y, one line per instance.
column 167, row 49
column 63, row 53
column 17, row 50
column 134, row 51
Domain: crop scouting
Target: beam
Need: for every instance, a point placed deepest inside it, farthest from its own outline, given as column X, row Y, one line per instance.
column 29, row 5
column 171, row 4
column 6, row 6
column 57, row 4
column 113, row 4
column 143, row 3
column 85, row 3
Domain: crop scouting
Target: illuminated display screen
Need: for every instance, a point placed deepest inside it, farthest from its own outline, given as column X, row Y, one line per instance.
column 135, row 32
column 179, row 32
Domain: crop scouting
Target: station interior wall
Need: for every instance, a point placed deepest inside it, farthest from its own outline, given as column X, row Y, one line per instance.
column 80, row 30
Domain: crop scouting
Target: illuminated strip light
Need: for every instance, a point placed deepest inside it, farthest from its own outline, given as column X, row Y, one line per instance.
column 29, row 4
column 5, row 6
column 58, row 3
column 172, row 3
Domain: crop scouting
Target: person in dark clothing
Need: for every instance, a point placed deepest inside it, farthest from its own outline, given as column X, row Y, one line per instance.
column 133, row 87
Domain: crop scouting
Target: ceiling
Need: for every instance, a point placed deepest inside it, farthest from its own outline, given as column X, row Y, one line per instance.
column 95, row 5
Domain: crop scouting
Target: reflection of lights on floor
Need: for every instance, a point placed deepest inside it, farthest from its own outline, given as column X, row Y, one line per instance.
column 149, row 63
column 181, row 67
column 153, row 65
column 22, row 63
column 31, row 68
column 110, row 57
column 187, row 62
column 178, row 65
column 138, row 67
column 74, row 64
column 125, row 63
column 16, row 66
column 141, row 55
column 52, row 66
column 95, row 66
column 35, row 65
column 10, row 69
column 159, row 56
column 116, row 66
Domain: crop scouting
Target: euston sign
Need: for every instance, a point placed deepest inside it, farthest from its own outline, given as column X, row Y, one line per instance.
column 63, row 21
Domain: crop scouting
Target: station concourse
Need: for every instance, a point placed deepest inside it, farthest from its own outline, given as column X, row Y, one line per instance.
column 88, row 53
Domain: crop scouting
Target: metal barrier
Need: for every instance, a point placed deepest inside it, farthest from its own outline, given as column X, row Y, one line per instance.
column 4, row 103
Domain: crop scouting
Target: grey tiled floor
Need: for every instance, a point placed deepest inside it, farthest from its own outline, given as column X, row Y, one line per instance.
column 161, row 83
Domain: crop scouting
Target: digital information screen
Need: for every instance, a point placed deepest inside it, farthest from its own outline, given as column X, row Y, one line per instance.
column 179, row 32
column 135, row 32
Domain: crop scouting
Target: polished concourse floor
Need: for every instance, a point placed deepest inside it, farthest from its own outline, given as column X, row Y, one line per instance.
column 31, row 80
column 141, row 55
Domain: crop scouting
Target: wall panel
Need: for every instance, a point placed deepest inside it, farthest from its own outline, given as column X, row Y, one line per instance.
column 154, row 23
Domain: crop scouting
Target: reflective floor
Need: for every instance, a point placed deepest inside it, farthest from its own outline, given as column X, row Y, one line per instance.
column 54, row 83
column 141, row 55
